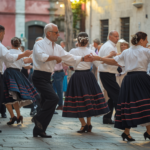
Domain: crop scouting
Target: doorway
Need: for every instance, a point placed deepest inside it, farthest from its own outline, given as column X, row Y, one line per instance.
column 34, row 31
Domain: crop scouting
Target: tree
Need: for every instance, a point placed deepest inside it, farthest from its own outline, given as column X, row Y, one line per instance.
column 68, row 25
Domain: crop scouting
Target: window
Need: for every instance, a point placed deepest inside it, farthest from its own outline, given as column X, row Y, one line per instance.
column 104, row 30
column 125, row 28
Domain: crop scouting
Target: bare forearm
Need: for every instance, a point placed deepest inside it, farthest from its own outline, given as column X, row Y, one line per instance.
column 20, row 56
column 51, row 58
column 28, row 60
column 106, row 60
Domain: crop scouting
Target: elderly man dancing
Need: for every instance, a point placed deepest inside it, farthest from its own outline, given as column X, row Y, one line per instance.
column 45, row 55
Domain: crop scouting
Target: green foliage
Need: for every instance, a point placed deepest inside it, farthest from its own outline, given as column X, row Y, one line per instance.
column 77, row 11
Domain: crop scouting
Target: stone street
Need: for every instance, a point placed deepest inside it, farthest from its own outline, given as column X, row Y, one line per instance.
column 63, row 131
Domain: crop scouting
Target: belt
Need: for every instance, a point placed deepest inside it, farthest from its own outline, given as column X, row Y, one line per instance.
column 82, row 70
column 59, row 70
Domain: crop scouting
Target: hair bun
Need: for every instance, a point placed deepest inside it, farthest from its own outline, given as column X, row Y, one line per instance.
column 83, row 38
column 137, row 37
column 16, row 42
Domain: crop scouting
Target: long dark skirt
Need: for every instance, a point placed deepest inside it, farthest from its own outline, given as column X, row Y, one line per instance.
column 134, row 101
column 17, row 88
column 84, row 97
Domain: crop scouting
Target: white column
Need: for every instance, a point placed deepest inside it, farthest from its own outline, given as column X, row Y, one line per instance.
column 20, row 19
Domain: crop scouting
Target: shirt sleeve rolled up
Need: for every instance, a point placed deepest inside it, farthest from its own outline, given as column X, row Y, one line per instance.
column 5, row 54
column 68, row 58
column 39, row 53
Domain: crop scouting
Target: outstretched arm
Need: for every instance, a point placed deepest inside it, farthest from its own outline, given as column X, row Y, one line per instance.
column 109, row 61
column 27, row 53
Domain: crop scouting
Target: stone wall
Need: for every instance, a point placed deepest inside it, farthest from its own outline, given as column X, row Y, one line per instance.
column 114, row 10
column 20, row 19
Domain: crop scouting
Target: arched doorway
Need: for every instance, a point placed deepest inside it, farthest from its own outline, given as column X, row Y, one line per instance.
column 35, row 28
column 34, row 31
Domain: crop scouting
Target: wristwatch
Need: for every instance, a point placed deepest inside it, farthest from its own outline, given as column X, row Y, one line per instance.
column 82, row 58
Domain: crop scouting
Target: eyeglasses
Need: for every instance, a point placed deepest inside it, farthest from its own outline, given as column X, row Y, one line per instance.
column 54, row 32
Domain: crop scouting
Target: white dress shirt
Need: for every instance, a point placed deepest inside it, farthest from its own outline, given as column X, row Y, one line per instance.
column 136, row 58
column 5, row 54
column 43, row 49
column 104, row 51
column 17, row 64
column 83, row 51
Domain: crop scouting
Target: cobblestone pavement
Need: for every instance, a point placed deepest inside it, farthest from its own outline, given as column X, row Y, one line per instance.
column 63, row 130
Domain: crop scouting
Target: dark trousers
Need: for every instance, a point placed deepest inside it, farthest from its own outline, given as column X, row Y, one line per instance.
column 2, row 107
column 49, row 98
column 112, row 88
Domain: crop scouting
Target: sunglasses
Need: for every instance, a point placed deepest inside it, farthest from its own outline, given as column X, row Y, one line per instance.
column 54, row 32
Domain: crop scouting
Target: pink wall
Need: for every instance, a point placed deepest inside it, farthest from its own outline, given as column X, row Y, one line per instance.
column 7, row 6
column 37, row 17
column 8, row 21
column 37, row 10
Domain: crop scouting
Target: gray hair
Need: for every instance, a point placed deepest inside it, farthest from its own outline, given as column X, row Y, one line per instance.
column 97, row 41
column 112, row 32
column 38, row 38
column 63, row 42
column 49, row 27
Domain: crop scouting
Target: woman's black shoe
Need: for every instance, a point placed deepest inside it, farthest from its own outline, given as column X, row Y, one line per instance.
column 89, row 128
column 12, row 120
column 84, row 129
column 146, row 135
column 20, row 119
column 124, row 136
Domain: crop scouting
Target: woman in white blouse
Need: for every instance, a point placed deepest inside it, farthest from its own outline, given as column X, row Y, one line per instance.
column 121, row 46
column 134, row 99
column 84, row 97
column 18, row 91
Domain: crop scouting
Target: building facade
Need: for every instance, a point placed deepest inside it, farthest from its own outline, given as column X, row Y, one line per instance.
column 125, row 16
column 26, row 19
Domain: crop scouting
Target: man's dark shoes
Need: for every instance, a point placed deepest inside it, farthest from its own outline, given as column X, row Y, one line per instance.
column 42, row 134
column 0, row 131
column 4, row 115
column 108, row 121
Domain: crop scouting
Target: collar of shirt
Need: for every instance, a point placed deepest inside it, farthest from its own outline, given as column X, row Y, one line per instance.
column 48, row 41
column 112, row 43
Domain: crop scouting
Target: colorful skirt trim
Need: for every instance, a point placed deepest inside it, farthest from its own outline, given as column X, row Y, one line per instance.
column 84, row 97
column 17, row 88
column 134, row 101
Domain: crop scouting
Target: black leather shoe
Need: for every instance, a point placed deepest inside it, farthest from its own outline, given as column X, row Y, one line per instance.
column 146, row 135
column 4, row 115
column 85, row 129
column 108, row 121
column 124, row 136
column 55, row 112
column 12, row 120
column 40, row 133
column 0, row 131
